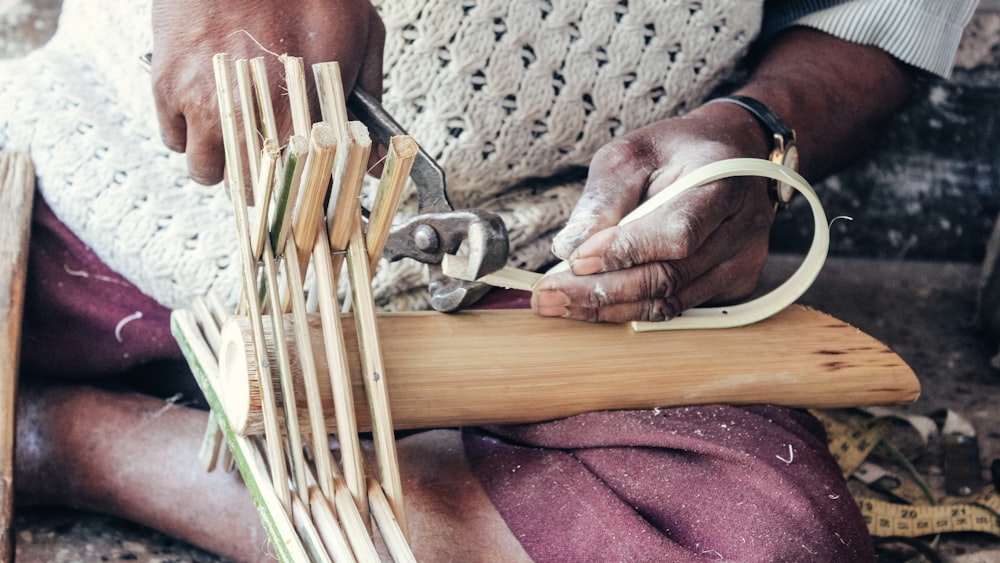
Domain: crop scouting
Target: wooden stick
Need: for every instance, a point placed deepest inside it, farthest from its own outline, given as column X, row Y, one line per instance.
column 279, row 471
column 343, row 213
column 402, row 151
column 311, row 536
column 267, row 166
column 354, row 527
column 506, row 367
column 373, row 369
column 17, row 186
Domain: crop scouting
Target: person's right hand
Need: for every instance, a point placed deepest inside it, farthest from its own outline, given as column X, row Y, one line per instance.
column 188, row 33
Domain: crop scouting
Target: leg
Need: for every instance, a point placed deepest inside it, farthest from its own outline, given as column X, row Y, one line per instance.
column 134, row 457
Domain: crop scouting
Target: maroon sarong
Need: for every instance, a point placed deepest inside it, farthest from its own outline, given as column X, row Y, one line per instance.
column 712, row 482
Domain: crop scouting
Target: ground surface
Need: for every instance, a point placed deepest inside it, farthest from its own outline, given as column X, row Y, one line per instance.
column 923, row 310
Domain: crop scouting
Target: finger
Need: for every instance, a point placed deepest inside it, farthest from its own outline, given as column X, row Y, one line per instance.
column 616, row 182
column 206, row 158
column 645, row 283
column 675, row 230
column 173, row 126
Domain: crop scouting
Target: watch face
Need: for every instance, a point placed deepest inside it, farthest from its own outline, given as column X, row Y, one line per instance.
column 789, row 158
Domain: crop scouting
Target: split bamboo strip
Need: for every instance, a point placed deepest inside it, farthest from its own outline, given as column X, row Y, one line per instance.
column 295, row 162
column 17, row 187
column 330, row 530
column 311, row 536
column 355, row 528
column 298, row 98
column 393, row 536
column 287, row 386
column 211, row 443
column 279, row 471
column 247, row 456
column 268, row 123
column 507, row 277
column 319, row 168
column 320, row 442
column 402, row 150
column 337, row 362
column 507, row 367
column 330, row 91
column 267, row 167
column 244, row 86
column 342, row 213
column 375, row 379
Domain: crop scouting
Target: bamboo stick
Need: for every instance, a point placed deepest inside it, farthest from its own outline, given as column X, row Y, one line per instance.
column 330, row 91
column 268, row 123
column 298, row 99
column 287, row 386
column 17, row 186
column 337, row 361
column 392, row 535
column 246, row 455
column 354, row 527
column 279, row 471
column 329, row 528
column 312, row 538
column 402, row 151
column 251, row 128
column 343, row 213
column 373, row 369
column 319, row 168
column 314, row 402
column 500, row 367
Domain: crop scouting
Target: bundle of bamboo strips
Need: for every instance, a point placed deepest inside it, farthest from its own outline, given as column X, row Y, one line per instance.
column 313, row 507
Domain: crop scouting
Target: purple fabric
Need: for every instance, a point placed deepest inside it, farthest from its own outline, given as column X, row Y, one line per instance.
column 79, row 315
column 673, row 485
column 711, row 482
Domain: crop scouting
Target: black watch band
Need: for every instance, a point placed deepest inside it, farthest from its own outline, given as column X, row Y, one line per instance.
column 770, row 120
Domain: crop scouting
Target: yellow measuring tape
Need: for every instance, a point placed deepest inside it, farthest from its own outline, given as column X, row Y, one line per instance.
column 914, row 515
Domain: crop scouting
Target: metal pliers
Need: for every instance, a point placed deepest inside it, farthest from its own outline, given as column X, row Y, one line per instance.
column 437, row 229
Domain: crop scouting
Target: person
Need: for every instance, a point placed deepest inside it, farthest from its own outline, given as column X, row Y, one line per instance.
column 513, row 99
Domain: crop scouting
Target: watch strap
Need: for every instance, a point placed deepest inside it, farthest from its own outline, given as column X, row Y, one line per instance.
column 770, row 120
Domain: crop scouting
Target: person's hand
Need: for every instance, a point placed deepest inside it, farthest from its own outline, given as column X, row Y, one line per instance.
column 708, row 245
column 188, row 33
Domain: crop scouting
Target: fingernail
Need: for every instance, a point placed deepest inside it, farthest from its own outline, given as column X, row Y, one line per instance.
column 550, row 299
column 586, row 266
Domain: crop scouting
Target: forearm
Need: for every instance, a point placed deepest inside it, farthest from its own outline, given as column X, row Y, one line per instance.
column 835, row 94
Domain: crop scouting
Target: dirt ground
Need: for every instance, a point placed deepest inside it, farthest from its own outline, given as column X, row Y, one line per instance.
column 922, row 310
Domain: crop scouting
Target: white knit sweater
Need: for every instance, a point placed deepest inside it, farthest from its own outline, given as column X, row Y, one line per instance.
column 506, row 95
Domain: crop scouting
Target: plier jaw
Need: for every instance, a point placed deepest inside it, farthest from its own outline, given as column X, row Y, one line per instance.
column 437, row 229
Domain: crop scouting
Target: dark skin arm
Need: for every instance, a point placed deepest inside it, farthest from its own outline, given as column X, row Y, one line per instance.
column 187, row 33
column 710, row 245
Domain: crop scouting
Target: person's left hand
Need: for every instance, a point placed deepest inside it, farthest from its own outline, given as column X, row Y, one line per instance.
column 708, row 245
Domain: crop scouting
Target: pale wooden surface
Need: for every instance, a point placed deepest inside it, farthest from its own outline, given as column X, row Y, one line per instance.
column 487, row 367
column 17, row 185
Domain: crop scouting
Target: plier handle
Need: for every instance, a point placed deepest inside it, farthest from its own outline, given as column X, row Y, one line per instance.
column 437, row 229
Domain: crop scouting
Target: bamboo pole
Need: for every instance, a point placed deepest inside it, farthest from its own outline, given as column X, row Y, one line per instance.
column 17, row 186
column 500, row 367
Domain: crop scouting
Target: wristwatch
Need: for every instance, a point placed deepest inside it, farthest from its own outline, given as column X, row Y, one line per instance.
column 783, row 151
